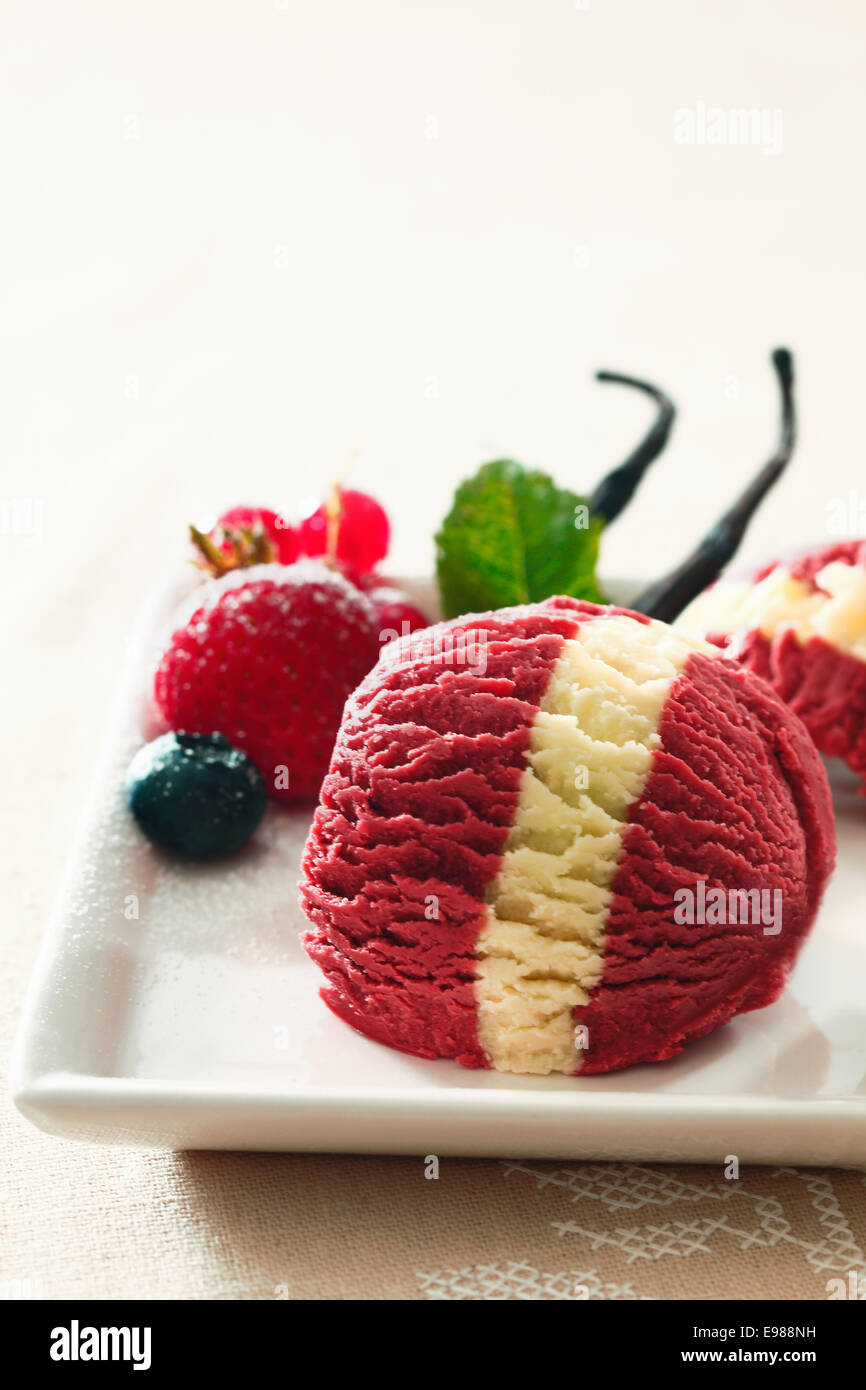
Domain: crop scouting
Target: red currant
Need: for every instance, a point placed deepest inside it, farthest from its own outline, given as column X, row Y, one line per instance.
column 351, row 524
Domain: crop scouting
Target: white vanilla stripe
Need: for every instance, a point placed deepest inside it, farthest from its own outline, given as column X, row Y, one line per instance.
column 590, row 752
column 835, row 611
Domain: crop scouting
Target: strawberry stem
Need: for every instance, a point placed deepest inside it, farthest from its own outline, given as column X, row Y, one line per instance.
column 215, row 559
column 246, row 546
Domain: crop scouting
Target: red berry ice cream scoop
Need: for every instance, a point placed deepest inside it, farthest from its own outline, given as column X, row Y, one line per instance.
column 562, row 838
column 801, row 624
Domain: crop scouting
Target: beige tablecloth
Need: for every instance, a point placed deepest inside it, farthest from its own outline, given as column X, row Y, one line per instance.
column 99, row 1223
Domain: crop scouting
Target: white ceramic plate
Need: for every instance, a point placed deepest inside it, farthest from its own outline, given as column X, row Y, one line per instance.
column 197, row 1023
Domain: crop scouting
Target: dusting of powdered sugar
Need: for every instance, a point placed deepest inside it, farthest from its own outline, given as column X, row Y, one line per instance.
column 123, row 891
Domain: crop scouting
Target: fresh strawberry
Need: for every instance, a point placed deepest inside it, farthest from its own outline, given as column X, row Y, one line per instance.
column 229, row 529
column 350, row 528
column 267, row 658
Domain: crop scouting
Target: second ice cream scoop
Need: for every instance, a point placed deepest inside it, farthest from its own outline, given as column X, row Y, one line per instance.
column 800, row 624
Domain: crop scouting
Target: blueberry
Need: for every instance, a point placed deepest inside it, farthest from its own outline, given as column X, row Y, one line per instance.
column 195, row 795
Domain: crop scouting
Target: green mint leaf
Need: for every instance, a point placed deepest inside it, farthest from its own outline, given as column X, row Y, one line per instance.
column 511, row 537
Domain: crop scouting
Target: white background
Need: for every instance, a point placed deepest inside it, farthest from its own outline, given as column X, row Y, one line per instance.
column 233, row 258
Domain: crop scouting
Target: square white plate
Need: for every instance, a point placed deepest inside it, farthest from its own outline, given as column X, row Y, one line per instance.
column 197, row 1023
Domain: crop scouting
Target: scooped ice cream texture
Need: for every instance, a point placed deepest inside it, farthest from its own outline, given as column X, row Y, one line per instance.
column 802, row 626
column 497, row 868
